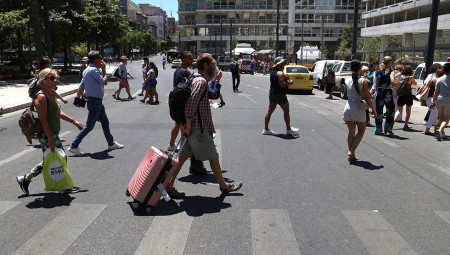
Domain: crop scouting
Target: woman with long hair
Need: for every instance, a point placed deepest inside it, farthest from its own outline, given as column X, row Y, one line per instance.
column 441, row 100
column 354, row 113
column 433, row 112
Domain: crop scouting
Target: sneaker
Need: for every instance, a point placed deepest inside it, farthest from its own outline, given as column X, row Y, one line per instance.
column 267, row 132
column 438, row 135
column 443, row 135
column 75, row 151
column 389, row 132
column 175, row 194
column 23, row 183
column 116, row 145
column 197, row 170
column 140, row 94
column 231, row 187
column 292, row 131
column 142, row 101
column 154, row 102
column 221, row 104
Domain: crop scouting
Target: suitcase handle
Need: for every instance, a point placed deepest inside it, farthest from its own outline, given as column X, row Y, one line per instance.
column 178, row 146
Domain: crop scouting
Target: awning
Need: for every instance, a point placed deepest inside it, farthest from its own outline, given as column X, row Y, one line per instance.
column 266, row 52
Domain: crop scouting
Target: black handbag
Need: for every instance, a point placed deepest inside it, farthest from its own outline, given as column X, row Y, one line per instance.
column 79, row 102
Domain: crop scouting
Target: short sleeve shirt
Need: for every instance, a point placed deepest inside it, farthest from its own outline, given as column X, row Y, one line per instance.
column 179, row 74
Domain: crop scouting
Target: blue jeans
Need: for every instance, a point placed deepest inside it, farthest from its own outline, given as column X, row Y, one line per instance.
column 96, row 113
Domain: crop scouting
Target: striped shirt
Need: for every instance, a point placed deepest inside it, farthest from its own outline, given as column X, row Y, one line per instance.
column 199, row 100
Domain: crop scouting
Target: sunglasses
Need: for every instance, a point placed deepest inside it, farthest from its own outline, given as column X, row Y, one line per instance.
column 52, row 78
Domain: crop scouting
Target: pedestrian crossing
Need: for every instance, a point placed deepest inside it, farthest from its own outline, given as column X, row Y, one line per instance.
column 271, row 231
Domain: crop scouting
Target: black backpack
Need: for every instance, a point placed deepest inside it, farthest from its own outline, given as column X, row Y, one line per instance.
column 178, row 98
column 403, row 90
column 233, row 67
column 116, row 74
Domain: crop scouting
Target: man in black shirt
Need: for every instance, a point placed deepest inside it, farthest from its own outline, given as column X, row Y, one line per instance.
column 197, row 166
column 235, row 74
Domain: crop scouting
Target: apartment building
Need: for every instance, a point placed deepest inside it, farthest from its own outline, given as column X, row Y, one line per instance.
column 205, row 25
column 407, row 21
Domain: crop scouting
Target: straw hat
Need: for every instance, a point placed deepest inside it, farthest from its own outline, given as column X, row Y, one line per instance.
column 278, row 60
column 123, row 58
column 85, row 59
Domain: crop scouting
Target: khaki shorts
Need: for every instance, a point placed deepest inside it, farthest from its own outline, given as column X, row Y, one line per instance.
column 278, row 99
column 201, row 145
column 443, row 106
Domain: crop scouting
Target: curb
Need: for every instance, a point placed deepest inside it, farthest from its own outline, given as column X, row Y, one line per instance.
column 25, row 105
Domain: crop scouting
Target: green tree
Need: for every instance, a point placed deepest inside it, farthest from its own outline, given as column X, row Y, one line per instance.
column 270, row 43
column 343, row 50
column 324, row 51
column 371, row 48
column 347, row 35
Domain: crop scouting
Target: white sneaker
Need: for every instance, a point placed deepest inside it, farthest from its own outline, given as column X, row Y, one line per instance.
column 292, row 131
column 75, row 151
column 267, row 132
column 116, row 145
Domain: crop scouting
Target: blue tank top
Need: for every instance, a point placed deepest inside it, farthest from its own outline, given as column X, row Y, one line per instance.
column 275, row 84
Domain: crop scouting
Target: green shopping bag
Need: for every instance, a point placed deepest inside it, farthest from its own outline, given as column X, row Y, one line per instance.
column 55, row 171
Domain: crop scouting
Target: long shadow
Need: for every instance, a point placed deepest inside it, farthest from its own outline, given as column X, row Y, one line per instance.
column 50, row 200
column 287, row 137
column 202, row 179
column 101, row 155
column 367, row 165
column 394, row 136
column 194, row 206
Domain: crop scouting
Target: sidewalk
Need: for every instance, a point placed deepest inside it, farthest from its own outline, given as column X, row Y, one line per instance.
column 14, row 94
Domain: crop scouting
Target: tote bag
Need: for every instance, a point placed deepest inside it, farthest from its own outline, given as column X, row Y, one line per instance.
column 55, row 171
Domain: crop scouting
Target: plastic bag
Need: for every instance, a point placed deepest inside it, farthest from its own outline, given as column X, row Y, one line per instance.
column 55, row 171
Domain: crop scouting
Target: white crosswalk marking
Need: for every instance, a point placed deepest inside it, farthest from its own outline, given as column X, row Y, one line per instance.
column 7, row 205
column 60, row 233
column 377, row 235
column 445, row 215
column 272, row 232
column 164, row 233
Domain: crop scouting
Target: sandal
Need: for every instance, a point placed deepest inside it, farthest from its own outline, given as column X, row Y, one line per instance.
column 406, row 127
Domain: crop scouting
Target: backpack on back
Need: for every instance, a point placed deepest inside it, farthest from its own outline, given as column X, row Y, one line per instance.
column 214, row 90
column 233, row 67
column 30, row 125
column 178, row 98
column 402, row 91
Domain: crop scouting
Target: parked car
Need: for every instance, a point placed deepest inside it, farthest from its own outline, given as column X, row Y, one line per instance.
column 224, row 63
column 420, row 76
column 342, row 71
column 301, row 78
column 176, row 63
column 318, row 72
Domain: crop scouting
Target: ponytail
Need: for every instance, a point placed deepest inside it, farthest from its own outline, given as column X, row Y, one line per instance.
column 355, row 77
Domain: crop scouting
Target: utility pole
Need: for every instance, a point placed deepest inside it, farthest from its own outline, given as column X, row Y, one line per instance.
column 231, row 39
column 278, row 28
column 355, row 29
column 432, row 35
column 36, row 28
column 221, row 38
column 48, row 31
column 301, row 51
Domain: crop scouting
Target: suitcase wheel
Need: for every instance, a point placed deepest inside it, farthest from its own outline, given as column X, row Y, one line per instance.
column 135, row 205
column 148, row 209
column 127, row 193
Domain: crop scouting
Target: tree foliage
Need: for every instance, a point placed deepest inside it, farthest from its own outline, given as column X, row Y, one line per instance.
column 371, row 48
column 343, row 50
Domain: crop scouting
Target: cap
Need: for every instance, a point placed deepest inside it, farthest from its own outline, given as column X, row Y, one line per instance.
column 85, row 59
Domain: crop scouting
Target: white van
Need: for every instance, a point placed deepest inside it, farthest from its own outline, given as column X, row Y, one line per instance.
column 318, row 71
column 419, row 76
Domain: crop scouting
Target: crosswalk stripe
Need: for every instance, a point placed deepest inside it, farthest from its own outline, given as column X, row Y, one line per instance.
column 377, row 235
column 7, row 205
column 166, row 235
column 445, row 215
column 60, row 233
column 272, row 232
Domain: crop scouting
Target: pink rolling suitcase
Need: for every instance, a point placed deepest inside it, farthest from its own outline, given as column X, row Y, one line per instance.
column 151, row 177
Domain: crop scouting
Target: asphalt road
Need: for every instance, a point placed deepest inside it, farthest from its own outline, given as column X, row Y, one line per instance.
column 300, row 195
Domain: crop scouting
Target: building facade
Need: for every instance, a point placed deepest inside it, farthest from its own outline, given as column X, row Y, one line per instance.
column 205, row 25
column 407, row 22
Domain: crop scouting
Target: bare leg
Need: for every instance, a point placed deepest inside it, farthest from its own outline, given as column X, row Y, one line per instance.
column 358, row 137
column 351, row 135
column 174, row 134
column 408, row 114
column 181, row 161
column 217, row 170
column 287, row 117
column 399, row 112
column 272, row 107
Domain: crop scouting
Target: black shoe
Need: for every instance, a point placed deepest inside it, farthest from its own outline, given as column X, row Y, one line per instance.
column 23, row 183
column 221, row 104
column 154, row 103
column 142, row 101
column 175, row 194
column 140, row 94
column 231, row 187
column 197, row 170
